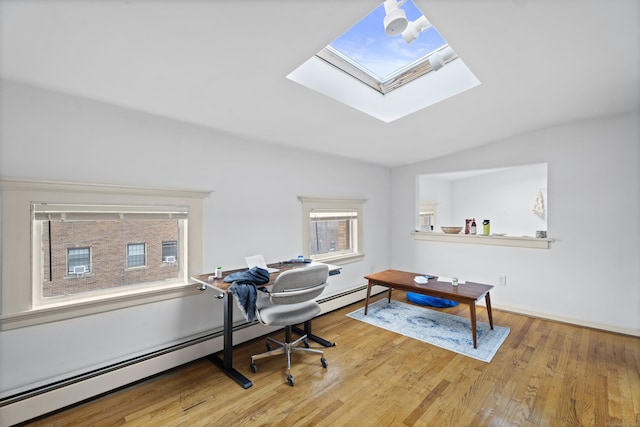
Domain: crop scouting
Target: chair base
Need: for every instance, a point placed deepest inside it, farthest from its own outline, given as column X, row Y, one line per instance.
column 287, row 348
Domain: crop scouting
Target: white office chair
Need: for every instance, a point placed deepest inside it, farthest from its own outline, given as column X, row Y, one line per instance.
column 290, row 302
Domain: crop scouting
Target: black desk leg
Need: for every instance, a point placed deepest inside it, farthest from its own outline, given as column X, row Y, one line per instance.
column 307, row 332
column 226, row 364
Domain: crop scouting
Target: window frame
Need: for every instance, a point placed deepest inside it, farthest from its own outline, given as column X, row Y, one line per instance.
column 403, row 76
column 135, row 256
column 174, row 252
column 20, row 309
column 309, row 204
column 71, row 270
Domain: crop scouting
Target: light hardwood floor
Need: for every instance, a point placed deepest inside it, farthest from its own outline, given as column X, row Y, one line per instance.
column 545, row 374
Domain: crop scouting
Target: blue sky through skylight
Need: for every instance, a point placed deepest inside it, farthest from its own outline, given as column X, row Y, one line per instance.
column 367, row 44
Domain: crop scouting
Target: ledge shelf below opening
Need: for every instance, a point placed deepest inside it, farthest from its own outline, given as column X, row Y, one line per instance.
column 517, row 241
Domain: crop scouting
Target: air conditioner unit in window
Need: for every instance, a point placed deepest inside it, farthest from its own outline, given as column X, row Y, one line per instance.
column 79, row 269
column 169, row 259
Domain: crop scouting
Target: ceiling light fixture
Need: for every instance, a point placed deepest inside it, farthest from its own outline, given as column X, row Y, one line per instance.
column 395, row 19
column 414, row 28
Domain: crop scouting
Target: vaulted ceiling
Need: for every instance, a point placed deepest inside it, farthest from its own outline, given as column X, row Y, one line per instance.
column 223, row 65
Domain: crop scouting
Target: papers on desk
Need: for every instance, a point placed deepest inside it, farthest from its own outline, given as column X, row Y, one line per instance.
column 258, row 261
column 449, row 279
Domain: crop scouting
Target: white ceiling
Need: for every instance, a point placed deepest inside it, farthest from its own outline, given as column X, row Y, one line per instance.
column 223, row 65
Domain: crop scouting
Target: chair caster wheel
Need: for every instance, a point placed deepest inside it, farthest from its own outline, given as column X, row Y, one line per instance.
column 324, row 362
column 290, row 380
column 254, row 368
column 306, row 344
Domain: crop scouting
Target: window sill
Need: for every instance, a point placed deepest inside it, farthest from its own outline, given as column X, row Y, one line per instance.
column 522, row 242
column 71, row 276
column 69, row 310
column 342, row 259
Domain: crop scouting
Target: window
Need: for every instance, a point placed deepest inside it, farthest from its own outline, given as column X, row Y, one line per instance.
column 386, row 63
column 427, row 217
column 332, row 229
column 136, row 255
column 37, row 285
column 418, row 57
column 72, row 234
column 78, row 260
column 169, row 252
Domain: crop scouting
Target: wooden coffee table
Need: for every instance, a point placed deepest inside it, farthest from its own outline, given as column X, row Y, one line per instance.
column 467, row 293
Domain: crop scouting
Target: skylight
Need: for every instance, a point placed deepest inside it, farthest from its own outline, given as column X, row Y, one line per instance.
column 369, row 49
column 387, row 59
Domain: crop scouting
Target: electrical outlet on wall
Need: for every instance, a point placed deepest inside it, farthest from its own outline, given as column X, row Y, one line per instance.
column 502, row 280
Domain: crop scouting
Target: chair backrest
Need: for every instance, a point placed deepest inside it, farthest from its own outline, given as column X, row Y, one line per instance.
column 299, row 284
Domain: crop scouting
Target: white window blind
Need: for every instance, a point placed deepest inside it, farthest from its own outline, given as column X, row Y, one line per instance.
column 74, row 212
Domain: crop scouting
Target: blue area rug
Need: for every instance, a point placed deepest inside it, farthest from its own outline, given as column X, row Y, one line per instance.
column 434, row 327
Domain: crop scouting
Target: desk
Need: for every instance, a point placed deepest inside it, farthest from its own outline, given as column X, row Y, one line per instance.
column 467, row 293
column 226, row 363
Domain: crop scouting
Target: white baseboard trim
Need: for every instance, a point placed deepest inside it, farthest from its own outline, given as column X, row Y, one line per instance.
column 352, row 296
column 35, row 403
column 568, row 320
column 23, row 409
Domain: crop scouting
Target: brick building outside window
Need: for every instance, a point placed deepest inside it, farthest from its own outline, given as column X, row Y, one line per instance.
column 113, row 253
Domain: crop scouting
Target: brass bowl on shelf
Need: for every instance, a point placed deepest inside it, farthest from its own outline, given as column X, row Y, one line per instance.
column 451, row 230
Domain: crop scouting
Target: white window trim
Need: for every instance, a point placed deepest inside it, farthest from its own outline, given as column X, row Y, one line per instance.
column 311, row 203
column 399, row 78
column 319, row 75
column 16, row 272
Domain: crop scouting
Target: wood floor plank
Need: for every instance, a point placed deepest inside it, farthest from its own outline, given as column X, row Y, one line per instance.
column 545, row 374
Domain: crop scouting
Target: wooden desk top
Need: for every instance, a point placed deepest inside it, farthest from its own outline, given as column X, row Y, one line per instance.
column 223, row 286
column 465, row 293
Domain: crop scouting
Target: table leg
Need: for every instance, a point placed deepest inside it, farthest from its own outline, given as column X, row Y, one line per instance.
column 366, row 301
column 226, row 364
column 487, row 299
column 389, row 299
column 472, row 307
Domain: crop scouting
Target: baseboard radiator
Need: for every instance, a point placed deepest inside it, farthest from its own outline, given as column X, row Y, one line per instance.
column 42, row 400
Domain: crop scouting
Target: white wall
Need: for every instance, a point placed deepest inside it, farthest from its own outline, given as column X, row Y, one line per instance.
column 590, row 275
column 254, row 209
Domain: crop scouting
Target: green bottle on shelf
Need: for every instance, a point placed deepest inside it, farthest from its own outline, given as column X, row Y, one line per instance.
column 486, row 227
